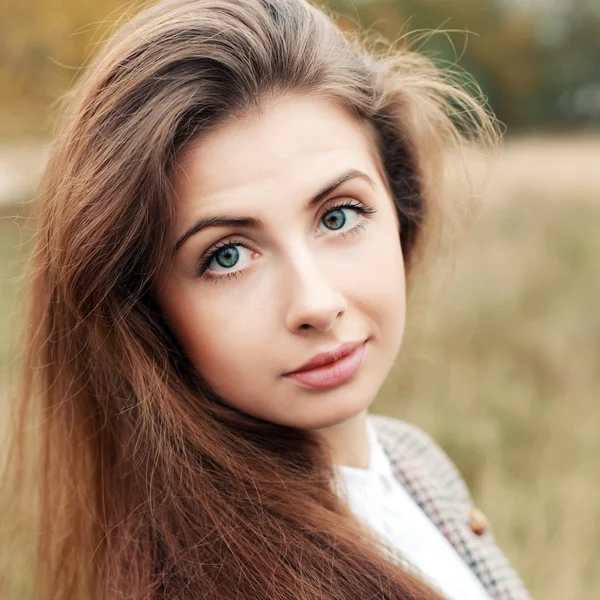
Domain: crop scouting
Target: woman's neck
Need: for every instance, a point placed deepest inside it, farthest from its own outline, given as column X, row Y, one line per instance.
column 349, row 441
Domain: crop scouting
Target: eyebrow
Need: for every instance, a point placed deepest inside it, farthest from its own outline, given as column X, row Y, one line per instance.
column 253, row 222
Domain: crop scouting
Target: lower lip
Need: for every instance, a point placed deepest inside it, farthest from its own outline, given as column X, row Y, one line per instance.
column 334, row 373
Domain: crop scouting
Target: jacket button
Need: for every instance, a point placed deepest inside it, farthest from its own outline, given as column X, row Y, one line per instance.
column 477, row 521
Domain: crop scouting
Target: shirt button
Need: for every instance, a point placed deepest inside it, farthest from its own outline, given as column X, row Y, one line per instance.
column 477, row 521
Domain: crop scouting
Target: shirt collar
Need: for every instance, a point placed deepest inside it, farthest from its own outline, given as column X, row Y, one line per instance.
column 378, row 460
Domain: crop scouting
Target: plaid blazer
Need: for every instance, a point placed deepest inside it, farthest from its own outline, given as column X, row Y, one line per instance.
column 431, row 478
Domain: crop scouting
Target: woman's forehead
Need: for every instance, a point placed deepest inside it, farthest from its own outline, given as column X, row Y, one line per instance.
column 289, row 147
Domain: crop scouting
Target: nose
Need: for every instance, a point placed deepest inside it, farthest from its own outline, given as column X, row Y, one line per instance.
column 314, row 300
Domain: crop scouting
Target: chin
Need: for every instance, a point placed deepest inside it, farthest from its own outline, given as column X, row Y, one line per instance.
column 334, row 412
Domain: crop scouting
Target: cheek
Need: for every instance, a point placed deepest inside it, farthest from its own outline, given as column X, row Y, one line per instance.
column 221, row 339
column 383, row 268
column 382, row 285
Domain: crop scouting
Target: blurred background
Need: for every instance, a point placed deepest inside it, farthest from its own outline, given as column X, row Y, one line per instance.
column 502, row 365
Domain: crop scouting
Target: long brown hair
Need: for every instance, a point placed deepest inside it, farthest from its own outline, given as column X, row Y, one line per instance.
column 149, row 485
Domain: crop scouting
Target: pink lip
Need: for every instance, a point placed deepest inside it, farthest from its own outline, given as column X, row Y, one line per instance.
column 325, row 358
column 325, row 372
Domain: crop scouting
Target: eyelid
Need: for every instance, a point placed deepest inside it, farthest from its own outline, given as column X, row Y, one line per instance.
column 349, row 202
column 344, row 201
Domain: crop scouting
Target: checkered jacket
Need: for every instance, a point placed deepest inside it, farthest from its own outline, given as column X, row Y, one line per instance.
column 438, row 488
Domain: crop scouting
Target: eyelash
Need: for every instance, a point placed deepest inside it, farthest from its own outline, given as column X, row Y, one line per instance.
column 205, row 261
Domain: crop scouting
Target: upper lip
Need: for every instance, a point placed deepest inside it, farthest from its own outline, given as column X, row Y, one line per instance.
column 324, row 358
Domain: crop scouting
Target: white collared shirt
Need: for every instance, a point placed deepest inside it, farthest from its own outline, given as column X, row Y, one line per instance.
column 376, row 497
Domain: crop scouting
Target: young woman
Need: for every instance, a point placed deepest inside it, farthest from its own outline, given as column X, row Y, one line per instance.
column 233, row 208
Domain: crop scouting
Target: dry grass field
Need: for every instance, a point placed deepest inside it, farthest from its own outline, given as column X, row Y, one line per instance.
column 502, row 365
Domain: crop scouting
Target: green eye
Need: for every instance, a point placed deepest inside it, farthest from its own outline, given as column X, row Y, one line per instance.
column 335, row 218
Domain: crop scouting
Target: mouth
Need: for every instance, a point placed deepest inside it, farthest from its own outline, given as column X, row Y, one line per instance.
column 330, row 369
column 325, row 358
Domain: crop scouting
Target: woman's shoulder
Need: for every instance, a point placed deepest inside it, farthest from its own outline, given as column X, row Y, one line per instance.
column 417, row 439
column 406, row 444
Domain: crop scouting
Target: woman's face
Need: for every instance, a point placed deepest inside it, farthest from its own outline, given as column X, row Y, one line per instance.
column 301, row 273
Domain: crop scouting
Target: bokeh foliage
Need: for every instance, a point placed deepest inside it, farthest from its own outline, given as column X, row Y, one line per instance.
column 530, row 58
column 537, row 61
